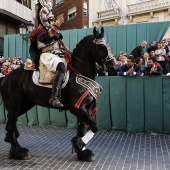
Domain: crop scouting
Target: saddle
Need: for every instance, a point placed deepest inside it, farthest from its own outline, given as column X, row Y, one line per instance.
column 46, row 76
column 43, row 77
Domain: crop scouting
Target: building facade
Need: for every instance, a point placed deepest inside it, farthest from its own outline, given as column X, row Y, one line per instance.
column 12, row 14
column 74, row 12
column 117, row 12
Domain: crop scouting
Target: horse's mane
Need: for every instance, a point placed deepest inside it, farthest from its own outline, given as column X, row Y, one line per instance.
column 18, row 70
column 81, row 43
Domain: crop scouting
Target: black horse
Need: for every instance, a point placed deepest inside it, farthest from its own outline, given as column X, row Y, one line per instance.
column 80, row 95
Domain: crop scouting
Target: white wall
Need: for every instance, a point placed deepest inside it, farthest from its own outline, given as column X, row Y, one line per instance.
column 18, row 9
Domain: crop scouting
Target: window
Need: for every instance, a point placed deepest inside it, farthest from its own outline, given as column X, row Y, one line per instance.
column 85, row 9
column 110, row 4
column 72, row 13
column 60, row 15
column 26, row 3
column 59, row 2
column 2, row 29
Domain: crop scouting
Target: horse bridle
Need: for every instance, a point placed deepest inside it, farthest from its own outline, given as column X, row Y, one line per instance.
column 100, row 41
column 103, row 41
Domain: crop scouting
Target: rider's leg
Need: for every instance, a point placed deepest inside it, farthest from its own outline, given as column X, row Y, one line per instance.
column 56, row 86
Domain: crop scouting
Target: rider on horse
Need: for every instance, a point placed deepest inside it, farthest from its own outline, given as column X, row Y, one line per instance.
column 47, row 45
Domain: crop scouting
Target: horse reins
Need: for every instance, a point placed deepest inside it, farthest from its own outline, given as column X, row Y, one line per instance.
column 83, row 62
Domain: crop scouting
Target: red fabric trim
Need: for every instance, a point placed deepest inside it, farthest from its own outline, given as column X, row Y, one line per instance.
column 33, row 34
column 77, row 105
column 67, row 57
column 52, row 31
column 93, row 113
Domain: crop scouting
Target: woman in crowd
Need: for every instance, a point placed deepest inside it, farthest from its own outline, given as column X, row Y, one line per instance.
column 160, row 54
column 139, row 62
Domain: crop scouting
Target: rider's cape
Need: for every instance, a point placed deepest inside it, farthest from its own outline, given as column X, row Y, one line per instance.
column 33, row 50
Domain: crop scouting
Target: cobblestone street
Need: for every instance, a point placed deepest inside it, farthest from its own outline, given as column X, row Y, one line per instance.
column 51, row 150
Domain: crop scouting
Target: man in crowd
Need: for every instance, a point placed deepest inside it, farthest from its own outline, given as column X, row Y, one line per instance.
column 138, row 51
column 18, row 59
column 152, row 69
column 130, row 68
column 152, row 47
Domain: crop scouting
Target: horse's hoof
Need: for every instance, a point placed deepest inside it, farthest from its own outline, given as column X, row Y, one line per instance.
column 86, row 155
column 19, row 153
column 77, row 143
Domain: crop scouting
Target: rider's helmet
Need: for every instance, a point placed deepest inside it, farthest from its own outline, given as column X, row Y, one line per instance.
column 45, row 16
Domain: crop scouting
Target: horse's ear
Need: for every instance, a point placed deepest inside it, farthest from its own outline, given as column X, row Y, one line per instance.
column 102, row 30
column 95, row 32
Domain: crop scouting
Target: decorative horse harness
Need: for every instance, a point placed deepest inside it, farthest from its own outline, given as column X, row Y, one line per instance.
column 90, row 85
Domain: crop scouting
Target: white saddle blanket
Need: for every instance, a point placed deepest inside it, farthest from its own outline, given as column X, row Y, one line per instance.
column 36, row 75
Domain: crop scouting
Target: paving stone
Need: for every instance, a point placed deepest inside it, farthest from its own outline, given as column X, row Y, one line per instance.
column 51, row 150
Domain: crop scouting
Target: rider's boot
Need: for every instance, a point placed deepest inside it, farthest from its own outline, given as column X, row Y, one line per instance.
column 56, row 86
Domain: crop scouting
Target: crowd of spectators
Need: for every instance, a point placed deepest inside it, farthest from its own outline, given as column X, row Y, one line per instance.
column 155, row 61
column 7, row 65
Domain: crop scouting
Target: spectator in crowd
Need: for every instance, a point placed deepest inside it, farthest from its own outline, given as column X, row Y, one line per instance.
column 18, row 59
column 121, row 60
column 152, row 47
column 130, row 68
column 2, row 60
column 10, row 60
column 14, row 59
column 139, row 62
column 145, row 59
column 9, row 69
column 152, row 69
column 160, row 54
column 152, row 54
column 18, row 64
column 169, row 58
column 138, row 51
column 164, row 43
column 4, row 69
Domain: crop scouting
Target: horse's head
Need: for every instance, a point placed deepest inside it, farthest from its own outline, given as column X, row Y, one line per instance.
column 103, row 55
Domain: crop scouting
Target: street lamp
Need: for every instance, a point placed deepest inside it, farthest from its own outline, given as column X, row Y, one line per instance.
column 30, row 26
column 24, row 30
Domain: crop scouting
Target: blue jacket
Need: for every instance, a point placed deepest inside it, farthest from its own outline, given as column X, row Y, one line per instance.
column 125, row 68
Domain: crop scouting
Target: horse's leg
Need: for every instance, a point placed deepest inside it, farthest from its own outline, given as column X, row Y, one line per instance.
column 79, row 141
column 16, row 151
column 81, row 129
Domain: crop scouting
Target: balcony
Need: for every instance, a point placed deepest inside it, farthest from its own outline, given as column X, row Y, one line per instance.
column 17, row 9
column 148, row 6
column 108, row 14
